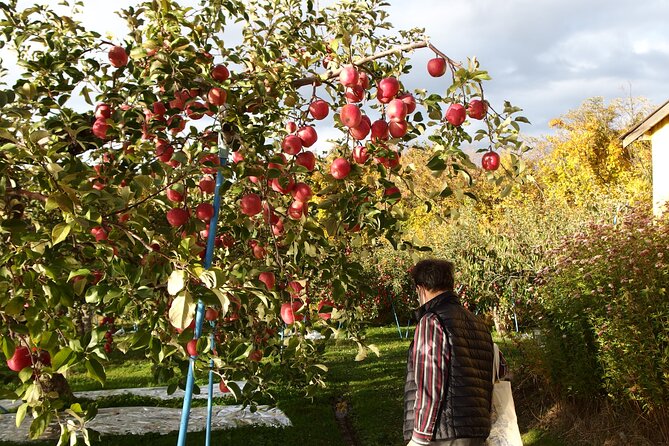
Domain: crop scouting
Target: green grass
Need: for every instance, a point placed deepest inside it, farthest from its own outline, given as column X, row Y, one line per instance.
column 372, row 389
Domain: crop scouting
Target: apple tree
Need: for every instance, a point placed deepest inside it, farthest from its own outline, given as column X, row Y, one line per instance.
column 110, row 150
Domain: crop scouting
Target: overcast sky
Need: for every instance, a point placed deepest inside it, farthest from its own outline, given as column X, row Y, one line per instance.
column 546, row 56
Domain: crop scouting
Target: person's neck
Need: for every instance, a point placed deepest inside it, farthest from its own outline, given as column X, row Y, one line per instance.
column 429, row 295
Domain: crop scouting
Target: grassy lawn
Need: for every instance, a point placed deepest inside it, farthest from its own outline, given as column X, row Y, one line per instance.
column 371, row 390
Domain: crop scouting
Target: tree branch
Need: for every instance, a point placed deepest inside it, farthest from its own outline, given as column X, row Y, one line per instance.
column 24, row 193
column 334, row 73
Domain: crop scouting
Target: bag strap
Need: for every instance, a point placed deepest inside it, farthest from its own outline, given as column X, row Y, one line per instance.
column 495, row 363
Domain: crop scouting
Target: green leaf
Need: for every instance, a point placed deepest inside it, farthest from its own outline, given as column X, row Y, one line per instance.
column 176, row 282
column 21, row 414
column 8, row 347
column 62, row 358
column 182, row 311
column 60, row 232
column 38, row 426
column 95, row 370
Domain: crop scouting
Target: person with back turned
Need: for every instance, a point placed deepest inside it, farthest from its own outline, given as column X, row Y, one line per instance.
column 448, row 387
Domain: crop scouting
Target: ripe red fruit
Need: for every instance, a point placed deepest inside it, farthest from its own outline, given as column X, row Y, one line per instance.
column 436, row 67
column 360, row 154
column 159, row 108
column 291, row 144
column 379, row 130
column 177, row 217
column 100, row 128
column 398, row 129
column 44, row 357
column 306, row 159
column 217, row 96
column 362, row 130
column 490, row 161
column 319, row 109
column 363, row 80
column 210, row 159
column 388, row 87
column 195, row 110
column 191, row 347
column 20, row 360
column 410, row 102
column 392, row 192
column 354, row 94
column 207, row 184
column 291, row 127
column 118, row 57
column 251, row 204
column 267, row 277
column 99, row 233
column 297, row 209
column 350, row 115
column 237, row 157
column 340, row 168
column 288, row 311
column 308, row 135
column 456, row 114
column 220, row 73
column 103, row 111
column 211, row 314
column 255, row 355
column 164, row 150
column 174, row 195
column 328, row 304
column 204, row 211
column 258, row 251
column 477, row 109
column 223, row 387
column 396, row 110
column 283, row 185
column 302, row 192
column 349, row 76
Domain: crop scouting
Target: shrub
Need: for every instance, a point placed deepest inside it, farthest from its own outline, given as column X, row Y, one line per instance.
column 605, row 311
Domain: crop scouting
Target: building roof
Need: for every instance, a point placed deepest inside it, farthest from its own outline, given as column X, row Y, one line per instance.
column 647, row 124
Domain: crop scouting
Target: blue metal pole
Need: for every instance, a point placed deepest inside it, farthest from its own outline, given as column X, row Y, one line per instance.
column 199, row 318
column 397, row 321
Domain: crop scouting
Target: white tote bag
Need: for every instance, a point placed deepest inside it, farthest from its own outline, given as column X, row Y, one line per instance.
column 504, row 430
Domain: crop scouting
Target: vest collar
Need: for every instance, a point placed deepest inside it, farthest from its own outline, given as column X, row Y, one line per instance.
column 446, row 297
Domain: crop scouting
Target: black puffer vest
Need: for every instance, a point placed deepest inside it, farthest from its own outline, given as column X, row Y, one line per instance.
column 465, row 412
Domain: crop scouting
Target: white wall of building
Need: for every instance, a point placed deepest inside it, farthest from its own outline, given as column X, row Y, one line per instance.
column 660, row 140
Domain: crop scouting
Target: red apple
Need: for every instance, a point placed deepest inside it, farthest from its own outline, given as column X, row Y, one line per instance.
column 207, row 184
column 159, row 108
column 392, row 192
column 396, row 110
column 44, row 356
column 204, row 211
column 174, row 195
column 255, row 355
column 302, row 192
column 288, row 311
column 477, row 109
column 211, row 314
column 306, row 159
column 291, row 144
column 410, row 102
column 436, row 66
column 297, row 209
column 283, row 185
column 103, row 111
column 360, row 154
column 456, row 114
column 99, row 233
column 361, row 131
column 267, row 277
column 388, row 87
column 20, row 360
column 291, row 127
column 340, row 168
column 210, row 159
column 350, row 115
column 177, row 217
column 118, row 57
column 308, row 135
column 490, row 161
column 217, row 96
column 354, row 94
column 363, row 80
column 380, row 130
column 220, row 73
column 164, row 150
column 398, row 129
column 319, row 109
column 251, row 204
column 349, row 76
column 191, row 347
column 100, row 128
column 223, row 387
column 259, row 252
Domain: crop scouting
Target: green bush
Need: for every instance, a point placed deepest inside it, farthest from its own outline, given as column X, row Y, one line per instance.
column 605, row 312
